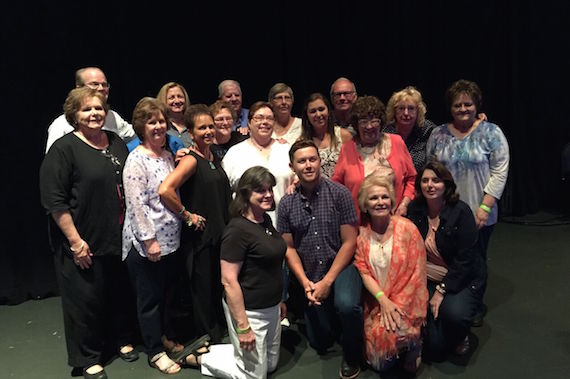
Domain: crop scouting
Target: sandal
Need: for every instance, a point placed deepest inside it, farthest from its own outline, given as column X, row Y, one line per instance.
column 171, row 347
column 194, row 347
column 171, row 368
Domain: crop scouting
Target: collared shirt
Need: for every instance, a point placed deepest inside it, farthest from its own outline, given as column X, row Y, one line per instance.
column 242, row 121
column 314, row 224
column 184, row 135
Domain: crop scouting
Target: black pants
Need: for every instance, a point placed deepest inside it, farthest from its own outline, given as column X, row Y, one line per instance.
column 151, row 283
column 203, row 269
column 98, row 312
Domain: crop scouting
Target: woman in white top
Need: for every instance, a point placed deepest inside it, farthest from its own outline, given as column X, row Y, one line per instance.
column 151, row 232
column 286, row 126
column 260, row 150
column 318, row 126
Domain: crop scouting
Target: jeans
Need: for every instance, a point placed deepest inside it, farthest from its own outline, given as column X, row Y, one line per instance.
column 453, row 322
column 150, row 280
column 341, row 309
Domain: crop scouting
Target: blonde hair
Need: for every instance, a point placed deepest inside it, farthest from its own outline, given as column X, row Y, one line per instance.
column 161, row 96
column 371, row 181
column 409, row 92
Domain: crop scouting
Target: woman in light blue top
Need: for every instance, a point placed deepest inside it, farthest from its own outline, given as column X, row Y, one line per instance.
column 151, row 233
column 476, row 153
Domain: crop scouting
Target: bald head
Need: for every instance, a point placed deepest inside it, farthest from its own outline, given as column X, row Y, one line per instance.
column 94, row 78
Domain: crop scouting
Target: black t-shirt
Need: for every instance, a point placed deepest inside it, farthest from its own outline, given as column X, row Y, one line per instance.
column 221, row 150
column 88, row 183
column 262, row 250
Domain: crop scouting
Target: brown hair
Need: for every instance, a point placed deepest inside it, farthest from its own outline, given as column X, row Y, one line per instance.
column 442, row 173
column 75, row 98
column 144, row 110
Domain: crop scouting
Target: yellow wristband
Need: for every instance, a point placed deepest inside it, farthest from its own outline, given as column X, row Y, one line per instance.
column 243, row 331
column 379, row 295
column 485, row 208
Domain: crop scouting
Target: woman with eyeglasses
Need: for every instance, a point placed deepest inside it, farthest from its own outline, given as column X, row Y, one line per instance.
column 224, row 118
column 406, row 116
column 374, row 152
column 318, row 126
column 203, row 207
column 286, row 126
column 476, row 153
column 260, row 150
column 81, row 189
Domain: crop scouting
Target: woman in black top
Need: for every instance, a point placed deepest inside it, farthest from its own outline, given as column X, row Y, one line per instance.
column 453, row 263
column 203, row 205
column 251, row 258
column 81, row 188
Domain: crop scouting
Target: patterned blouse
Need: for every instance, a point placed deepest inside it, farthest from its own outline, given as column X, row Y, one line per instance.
column 147, row 217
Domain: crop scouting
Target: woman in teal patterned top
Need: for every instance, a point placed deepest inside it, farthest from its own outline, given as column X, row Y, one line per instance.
column 477, row 154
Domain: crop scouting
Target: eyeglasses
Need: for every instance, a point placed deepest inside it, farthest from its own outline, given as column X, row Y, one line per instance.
column 375, row 122
column 283, row 98
column 96, row 85
column 409, row 108
column 260, row 118
column 337, row 95
column 222, row 119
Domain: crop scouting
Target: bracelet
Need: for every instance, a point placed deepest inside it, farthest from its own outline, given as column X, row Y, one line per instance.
column 80, row 247
column 189, row 221
column 485, row 208
column 243, row 331
column 181, row 213
column 379, row 295
column 441, row 288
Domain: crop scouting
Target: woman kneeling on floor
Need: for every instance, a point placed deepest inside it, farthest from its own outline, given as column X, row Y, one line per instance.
column 454, row 265
column 390, row 256
column 251, row 258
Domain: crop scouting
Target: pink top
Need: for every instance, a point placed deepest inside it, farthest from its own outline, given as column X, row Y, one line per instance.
column 349, row 169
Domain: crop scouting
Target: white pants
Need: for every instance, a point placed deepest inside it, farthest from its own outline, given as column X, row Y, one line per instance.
column 253, row 364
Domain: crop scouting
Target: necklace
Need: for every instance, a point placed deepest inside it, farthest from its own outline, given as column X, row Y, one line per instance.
column 433, row 223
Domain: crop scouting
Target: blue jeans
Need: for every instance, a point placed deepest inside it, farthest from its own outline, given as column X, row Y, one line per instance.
column 341, row 309
column 452, row 325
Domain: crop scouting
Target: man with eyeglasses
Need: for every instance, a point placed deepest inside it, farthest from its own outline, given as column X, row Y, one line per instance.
column 229, row 90
column 343, row 96
column 94, row 78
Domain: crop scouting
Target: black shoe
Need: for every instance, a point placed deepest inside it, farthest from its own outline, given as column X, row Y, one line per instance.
column 479, row 316
column 347, row 371
column 99, row 375
column 131, row 356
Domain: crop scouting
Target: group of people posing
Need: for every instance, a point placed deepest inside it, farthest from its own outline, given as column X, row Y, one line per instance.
column 205, row 221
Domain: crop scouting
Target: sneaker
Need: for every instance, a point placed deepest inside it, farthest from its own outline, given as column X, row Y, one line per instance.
column 347, row 371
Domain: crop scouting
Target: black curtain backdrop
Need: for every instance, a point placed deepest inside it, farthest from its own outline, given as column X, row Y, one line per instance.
column 517, row 51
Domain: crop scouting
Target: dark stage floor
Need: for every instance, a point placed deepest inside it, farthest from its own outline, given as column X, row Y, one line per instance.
column 526, row 333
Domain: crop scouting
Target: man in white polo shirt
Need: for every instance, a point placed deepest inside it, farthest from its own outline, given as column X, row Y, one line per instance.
column 91, row 77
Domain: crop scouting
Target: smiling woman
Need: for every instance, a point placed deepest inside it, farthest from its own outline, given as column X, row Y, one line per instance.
column 260, row 150
column 80, row 175
column 373, row 152
column 390, row 256
column 151, row 234
column 203, row 206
